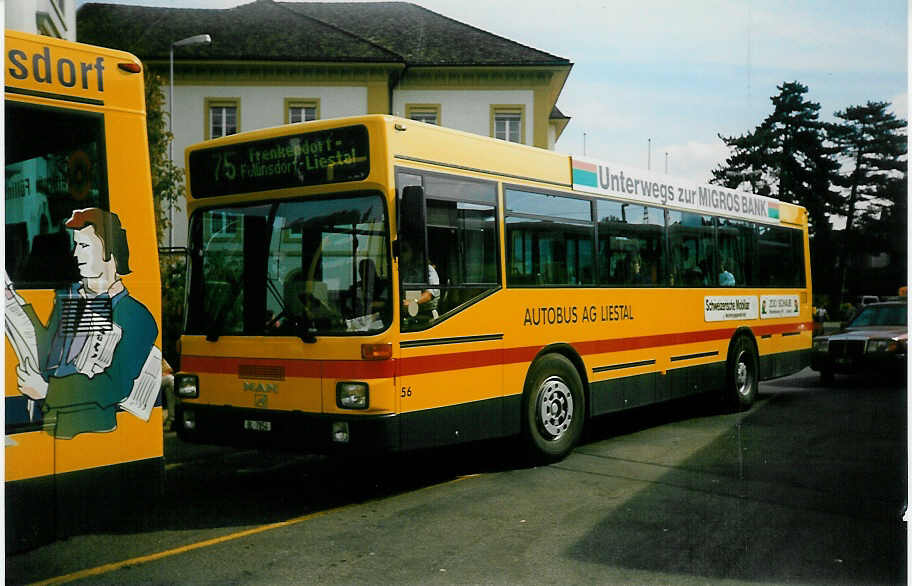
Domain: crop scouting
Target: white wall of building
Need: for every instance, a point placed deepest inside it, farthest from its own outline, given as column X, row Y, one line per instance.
column 468, row 110
column 260, row 107
column 263, row 106
column 59, row 16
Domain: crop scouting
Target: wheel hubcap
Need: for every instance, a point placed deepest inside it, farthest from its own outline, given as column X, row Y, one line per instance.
column 742, row 375
column 555, row 407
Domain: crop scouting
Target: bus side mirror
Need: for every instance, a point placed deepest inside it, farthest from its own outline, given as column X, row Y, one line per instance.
column 412, row 214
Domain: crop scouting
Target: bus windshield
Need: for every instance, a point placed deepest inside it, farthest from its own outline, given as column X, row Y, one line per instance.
column 304, row 268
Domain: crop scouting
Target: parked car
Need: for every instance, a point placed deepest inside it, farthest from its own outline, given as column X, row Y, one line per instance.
column 868, row 300
column 874, row 341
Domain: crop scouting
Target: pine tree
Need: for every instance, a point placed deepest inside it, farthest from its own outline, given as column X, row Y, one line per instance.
column 872, row 143
column 786, row 157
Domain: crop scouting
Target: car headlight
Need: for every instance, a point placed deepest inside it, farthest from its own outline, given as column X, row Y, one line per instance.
column 351, row 395
column 884, row 346
column 821, row 344
column 186, row 386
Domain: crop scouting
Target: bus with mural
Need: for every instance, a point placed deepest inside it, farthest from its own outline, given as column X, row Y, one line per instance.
column 83, row 442
column 377, row 283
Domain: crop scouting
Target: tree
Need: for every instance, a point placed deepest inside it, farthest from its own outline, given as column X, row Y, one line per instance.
column 786, row 157
column 167, row 188
column 167, row 178
column 872, row 143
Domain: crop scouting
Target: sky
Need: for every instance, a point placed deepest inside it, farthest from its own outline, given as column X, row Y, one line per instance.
column 654, row 82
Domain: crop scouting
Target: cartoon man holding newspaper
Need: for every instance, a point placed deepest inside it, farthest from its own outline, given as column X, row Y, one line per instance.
column 96, row 355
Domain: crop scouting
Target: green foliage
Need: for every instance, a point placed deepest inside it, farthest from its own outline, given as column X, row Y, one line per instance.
column 872, row 142
column 855, row 168
column 786, row 157
column 173, row 275
column 167, row 190
column 167, row 178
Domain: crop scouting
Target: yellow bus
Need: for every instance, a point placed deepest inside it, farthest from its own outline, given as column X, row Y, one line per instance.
column 82, row 292
column 380, row 283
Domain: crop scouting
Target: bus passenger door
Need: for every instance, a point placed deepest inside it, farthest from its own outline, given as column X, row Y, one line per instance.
column 451, row 368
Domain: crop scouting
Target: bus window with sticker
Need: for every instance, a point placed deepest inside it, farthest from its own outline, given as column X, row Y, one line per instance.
column 55, row 164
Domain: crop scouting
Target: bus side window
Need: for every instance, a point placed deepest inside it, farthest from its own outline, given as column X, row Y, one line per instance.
column 462, row 243
column 55, row 164
column 631, row 244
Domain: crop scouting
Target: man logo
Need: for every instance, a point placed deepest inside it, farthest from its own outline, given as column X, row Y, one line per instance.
column 260, row 387
column 260, row 401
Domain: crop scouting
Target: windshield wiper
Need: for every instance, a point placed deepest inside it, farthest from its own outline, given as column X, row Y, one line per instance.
column 302, row 325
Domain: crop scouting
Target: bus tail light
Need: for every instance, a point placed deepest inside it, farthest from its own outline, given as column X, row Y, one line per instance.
column 351, row 395
column 130, row 67
column 187, row 386
column 376, row 351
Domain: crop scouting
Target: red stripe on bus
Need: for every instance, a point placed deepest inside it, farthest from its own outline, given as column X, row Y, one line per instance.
column 460, row 360
column 366, row 369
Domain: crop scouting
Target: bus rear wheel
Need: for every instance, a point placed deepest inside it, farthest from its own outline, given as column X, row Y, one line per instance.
column 554, row 408
column 742, row 381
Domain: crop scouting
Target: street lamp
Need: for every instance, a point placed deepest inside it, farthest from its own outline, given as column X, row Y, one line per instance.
column 194, row 40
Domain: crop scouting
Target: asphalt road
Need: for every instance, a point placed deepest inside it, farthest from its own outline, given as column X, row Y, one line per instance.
column 807, row 487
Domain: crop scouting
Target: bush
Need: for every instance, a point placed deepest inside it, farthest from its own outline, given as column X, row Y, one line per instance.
column 173, row 276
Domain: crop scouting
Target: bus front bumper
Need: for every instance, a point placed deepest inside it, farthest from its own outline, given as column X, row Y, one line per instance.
column 287, row 430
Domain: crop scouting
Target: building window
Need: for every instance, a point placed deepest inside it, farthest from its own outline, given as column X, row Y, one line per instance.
column 301, row 110
column 222, row 116
column 507, row 123
column 428, row 113
column 223, row 224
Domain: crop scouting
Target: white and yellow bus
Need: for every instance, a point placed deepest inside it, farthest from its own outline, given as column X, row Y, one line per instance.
column 380, row 283
column 83, row 443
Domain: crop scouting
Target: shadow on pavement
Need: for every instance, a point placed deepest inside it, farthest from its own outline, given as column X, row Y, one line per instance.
column 809, row 487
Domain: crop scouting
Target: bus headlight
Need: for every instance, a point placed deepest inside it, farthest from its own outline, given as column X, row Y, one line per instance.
column 351, row 395
column 186, row 386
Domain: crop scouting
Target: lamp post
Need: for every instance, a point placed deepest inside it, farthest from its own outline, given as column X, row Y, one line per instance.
column 194, row 40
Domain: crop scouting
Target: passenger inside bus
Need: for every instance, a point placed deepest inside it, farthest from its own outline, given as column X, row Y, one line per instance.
column 637, row 273
column 418, row 303
column 726, row 279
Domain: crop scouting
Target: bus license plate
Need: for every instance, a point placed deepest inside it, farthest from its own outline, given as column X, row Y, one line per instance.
column 254, row 425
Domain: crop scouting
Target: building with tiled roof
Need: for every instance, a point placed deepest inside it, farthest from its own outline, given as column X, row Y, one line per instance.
column 271, row 63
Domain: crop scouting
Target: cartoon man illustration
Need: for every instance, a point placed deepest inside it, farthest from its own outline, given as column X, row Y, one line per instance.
column 94, row 353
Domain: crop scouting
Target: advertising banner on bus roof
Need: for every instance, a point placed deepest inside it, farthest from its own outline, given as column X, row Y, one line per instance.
column 609, row 179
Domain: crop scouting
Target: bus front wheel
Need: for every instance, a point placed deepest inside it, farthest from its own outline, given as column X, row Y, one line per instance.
column 554, row 408
column 742, row 379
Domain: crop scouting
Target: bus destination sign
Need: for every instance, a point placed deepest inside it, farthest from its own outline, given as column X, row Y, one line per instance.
column 294, row 160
